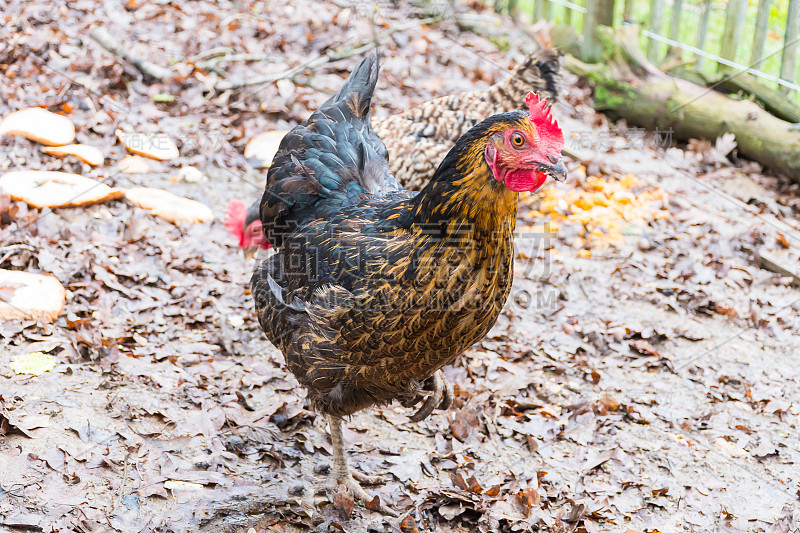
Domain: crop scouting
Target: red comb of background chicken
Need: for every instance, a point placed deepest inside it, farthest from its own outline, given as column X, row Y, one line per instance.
column 550, row 137
column 235, row 215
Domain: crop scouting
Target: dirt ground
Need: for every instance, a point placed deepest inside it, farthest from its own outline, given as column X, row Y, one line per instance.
column 644, row 376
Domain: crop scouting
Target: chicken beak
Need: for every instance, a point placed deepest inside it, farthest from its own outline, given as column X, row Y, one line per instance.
column 558, row 171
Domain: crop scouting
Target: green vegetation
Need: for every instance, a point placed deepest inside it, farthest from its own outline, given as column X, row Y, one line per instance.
column 689, row 23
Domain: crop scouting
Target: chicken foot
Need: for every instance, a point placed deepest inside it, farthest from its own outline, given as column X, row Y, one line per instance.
column 440, row 394
column 343, row 475
column 364, row 478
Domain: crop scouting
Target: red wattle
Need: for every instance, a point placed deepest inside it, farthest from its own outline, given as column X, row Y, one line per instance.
column 524, row 180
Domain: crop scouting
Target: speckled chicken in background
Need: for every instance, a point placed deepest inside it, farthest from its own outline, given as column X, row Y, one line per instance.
column 419, row 138
column 373, row 288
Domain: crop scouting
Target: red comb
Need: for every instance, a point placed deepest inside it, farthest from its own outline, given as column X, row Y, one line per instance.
column 235, row 216
column 550, row 138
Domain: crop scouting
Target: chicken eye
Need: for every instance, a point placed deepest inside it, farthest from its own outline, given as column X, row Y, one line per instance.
column 517, row 139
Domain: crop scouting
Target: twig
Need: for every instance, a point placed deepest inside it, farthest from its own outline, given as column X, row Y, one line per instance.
column 259, row 80
column 118, row 497
column 211, row 53
column 767, row 261
column 330, row 57
column 225, row 58
column 12, row 249
column 101, row 35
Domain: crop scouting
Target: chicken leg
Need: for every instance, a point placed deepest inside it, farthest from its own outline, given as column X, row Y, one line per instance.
column 342, row 474
column 440, row 394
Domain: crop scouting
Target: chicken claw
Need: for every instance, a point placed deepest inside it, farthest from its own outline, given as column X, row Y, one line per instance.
column 343, row 476
column 447, row 394
column 440, row 394
column 364, row 478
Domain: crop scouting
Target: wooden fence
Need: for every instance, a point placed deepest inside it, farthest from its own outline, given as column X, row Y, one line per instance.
column 740, row 44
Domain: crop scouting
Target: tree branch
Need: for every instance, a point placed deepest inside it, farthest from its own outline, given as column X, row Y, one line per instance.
column 107, row 41
column 330, row 57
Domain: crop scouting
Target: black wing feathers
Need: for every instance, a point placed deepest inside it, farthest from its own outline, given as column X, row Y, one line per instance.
column 331, row 160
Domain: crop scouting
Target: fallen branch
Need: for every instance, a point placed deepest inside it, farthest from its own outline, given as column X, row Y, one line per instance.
column 330, row 57
column 770, row 262
column 231, row 58
column 101, row 35
column 738, row 84
column 628, row 86
column 772, row 99
column 211, row 53
column 228, row 85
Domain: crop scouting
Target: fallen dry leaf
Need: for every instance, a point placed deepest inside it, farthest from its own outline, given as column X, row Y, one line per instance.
column 169, row 206
column 408, row 525
column 458, row 480
column 45, row 188
column 528, row 499
column 134, row 164
column 153, row 145
column 34, row 363
column 88, row 154
column 374, row 504
column 182, row 485
column 30, row 296
column 644, row 348
column 39, row 125
column 607, row 403
column 343, row 501
column 464, row 424
column 473, row 485
column 28, row 423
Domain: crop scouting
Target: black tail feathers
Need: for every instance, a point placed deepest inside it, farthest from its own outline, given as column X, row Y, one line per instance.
column 357, row 89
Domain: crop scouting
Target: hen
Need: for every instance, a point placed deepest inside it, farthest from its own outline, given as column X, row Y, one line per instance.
column 419, row 138
column 373, row 288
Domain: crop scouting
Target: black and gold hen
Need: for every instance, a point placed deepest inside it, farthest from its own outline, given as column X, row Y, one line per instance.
column 373, row 289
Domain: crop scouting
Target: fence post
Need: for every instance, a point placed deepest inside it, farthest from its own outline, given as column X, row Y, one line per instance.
column 627, row 11
column 656, row 20
column 734, row 28
column 538, row 10
column 598, row 13
column 789, row 58
column 702, row 31
column 567, row 16
column 675, row 20
column 762, row 21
